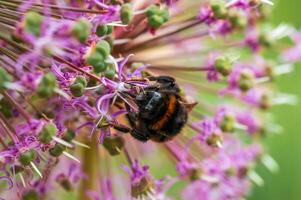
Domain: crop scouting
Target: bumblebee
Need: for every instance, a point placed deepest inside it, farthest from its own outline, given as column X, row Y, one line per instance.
column 161, row 112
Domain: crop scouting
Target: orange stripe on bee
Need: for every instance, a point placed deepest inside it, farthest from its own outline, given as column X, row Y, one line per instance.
column 167, row 115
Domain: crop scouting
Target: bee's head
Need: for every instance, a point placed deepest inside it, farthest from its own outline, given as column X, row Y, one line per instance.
column 150, row 104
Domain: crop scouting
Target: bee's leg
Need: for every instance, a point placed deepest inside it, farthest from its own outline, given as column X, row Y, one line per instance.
column 162, row 79
column 121, row 128
column 132, row 117
column 140, row 135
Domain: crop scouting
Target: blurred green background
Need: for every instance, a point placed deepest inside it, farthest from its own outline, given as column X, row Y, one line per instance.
column 285, row 148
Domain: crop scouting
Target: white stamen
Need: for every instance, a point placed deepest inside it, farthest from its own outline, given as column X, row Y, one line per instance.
column 283, row 69
column 63, row 142
column 112, row 59
column 36, row 169
column 71, row 156
column 209, row 179
column 287, row 99
column 22, row 179
column 121, row 41
column 14, row 86
column 117, row 23
column 262, row 80
column 255, row 178
column 94, row 87
column 270, row 163
column 80, row 144
column 268, row 2
column 62, row 93
column 240, row 126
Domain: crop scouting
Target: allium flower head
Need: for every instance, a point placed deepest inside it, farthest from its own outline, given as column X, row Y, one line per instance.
column 122, row 99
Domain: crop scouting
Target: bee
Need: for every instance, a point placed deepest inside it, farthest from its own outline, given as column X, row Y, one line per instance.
column 161, row 112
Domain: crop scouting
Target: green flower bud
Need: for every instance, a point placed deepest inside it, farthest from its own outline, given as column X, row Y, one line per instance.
column 110, row 29
column 64, row 182
column 142, row 188
column 156, row 17
column 237, row 21
column 104, row 48
column 46, row 134
column 30, row 195
column 126, row 13
column 223, row 65
column 6, row 109
column 82, row 80
column 69, row 135
column 155, row 21
column 100, row 67
column 165, row 14
column 101, row 30
column 246, row 81
column 110, row 73
column 195, row 174
column 33, row 22
column 228, row 122
column 264, row 40
column 95, row 58
column 153, row 10
column 215, row 140
column 47, row 85
column 4, row 78
column 16, row 169
column 81, row 30
column 113, row 144
column 57, row 150
column 265, row 102
column 77, row 89
column 220, row 11
column 27, row 157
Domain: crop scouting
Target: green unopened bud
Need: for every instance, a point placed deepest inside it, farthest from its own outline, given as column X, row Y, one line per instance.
column 215, row 140
column 33, row 22
column 81, row 30
column 157, row 17
column 223, row 65
column 246, row 81
column 4, row 78
column 228, row 122
column 69, row 135
column 57, row 150
column 155, row 21
column 46, row 134
column 110, row 72
column 101, row 30
column 237, row 21
column 142, row 188
column 27, row 157
column 153, row 10
column 77, row 89
column 195, row 174
column 95, row 58
column 110, row 29
column 6, row 109
column 47, row 85
column 64, row 182
column 82, row 80
column 220, row 11
column 30, row 195
column 16, row 169
column 265, row 102
column 100, row 67
column 113, row 144
column 126, row 13
column 104, row 48
column 264, row 40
